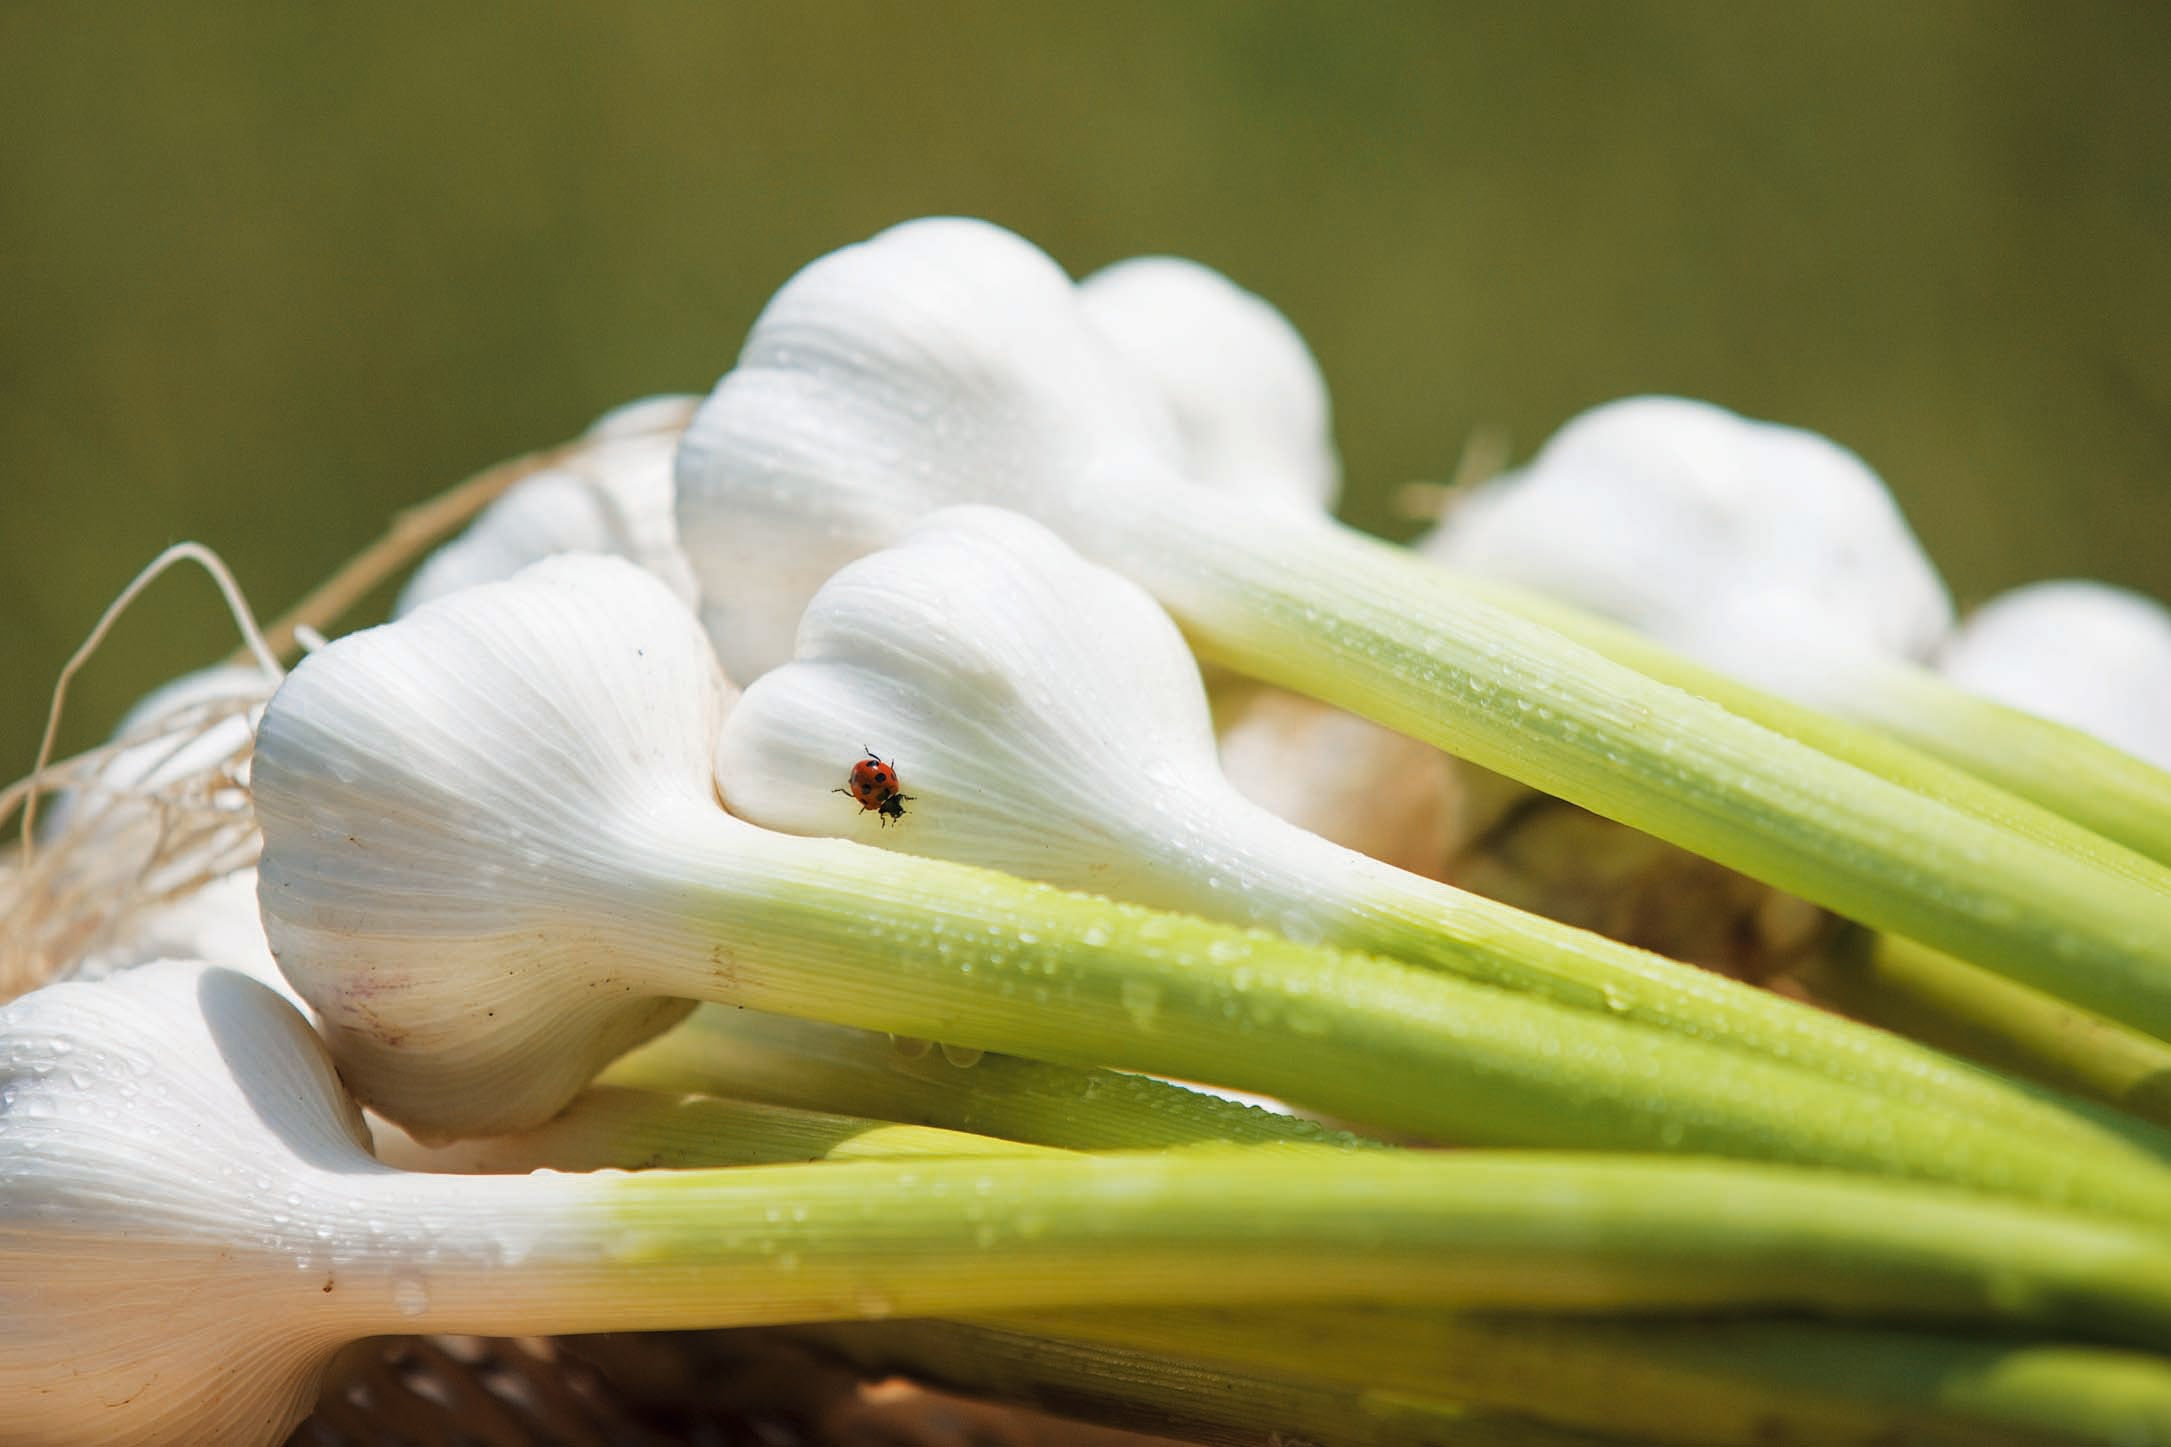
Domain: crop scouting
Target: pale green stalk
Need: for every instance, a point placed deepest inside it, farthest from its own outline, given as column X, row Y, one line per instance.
column 1723, row 1382
column 625, row 1128
column 1368, row 627
column 1922, row 764
column 1264, row 871
column 1910, row 988
column 983, row 960
column 776, row 1059
column 1741, row 1383
column 2105, row 788
column 1193, row 1401
column 1237, row 1226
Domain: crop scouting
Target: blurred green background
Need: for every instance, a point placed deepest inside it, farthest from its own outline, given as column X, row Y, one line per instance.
column 270, row 271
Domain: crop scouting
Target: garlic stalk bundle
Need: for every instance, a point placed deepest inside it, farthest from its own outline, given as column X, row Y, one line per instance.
column 2087, row 655
column 610, row 494
column 1724, row 1381
column 494, row 860
column 1249, row 404
column 1052, row 725
column 948, row 361
column 1778, row 558
column 191, row 1223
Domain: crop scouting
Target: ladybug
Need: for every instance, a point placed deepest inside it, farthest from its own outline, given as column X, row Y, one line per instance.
column 874, row 785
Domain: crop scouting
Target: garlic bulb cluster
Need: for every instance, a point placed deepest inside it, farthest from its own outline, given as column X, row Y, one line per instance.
column 609, row 493
column 959, row 525
column 2084, row 654
column 943, row 361
column 949, row 362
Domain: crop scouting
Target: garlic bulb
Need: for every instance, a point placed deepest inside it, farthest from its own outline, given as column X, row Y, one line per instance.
column 1049, row 722
column 949, row 361
column 943, row 361
column 611, row 493
column 1729, row 539
column 2084, row 654
column 156, row 1139
column 1249, row 403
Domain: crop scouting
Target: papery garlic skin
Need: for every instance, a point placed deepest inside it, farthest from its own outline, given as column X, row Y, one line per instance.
column 1721, row 536
column 160, row 811
column 611, row 494
column 156, row 745
column 1345, row 778
column 2084, row 654
column 1246, row 393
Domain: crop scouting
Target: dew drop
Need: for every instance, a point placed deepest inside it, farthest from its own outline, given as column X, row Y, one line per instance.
column 410, row 1297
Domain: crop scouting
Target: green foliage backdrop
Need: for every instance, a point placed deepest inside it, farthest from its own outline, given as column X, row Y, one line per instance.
column 271, row 270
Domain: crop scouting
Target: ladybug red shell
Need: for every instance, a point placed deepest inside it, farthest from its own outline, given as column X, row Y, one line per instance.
column 874, row 785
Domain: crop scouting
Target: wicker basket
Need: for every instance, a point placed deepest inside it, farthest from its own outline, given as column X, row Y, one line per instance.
column 664, row 1389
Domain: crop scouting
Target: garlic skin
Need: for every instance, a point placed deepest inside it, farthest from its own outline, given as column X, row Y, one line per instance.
column 2084, row 654
column 610, row 494
column 1248, row 399
column 144, row 822
column 1734, row 541
column 157, row 745
column 1345, row 778
column 944, row 360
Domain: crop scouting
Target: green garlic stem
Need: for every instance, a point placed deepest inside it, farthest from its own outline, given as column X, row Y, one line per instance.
column 2103, row 788
column 1368, row 627
column 1235, row 1226
column 625, row 1128
column 1723, row 1382
column 750, row 1055
column 1266, row 872
column 1886, row 738
column 1168, row 1396
column 984, row 960
column 1735, row 1382
column 1952, row 1005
